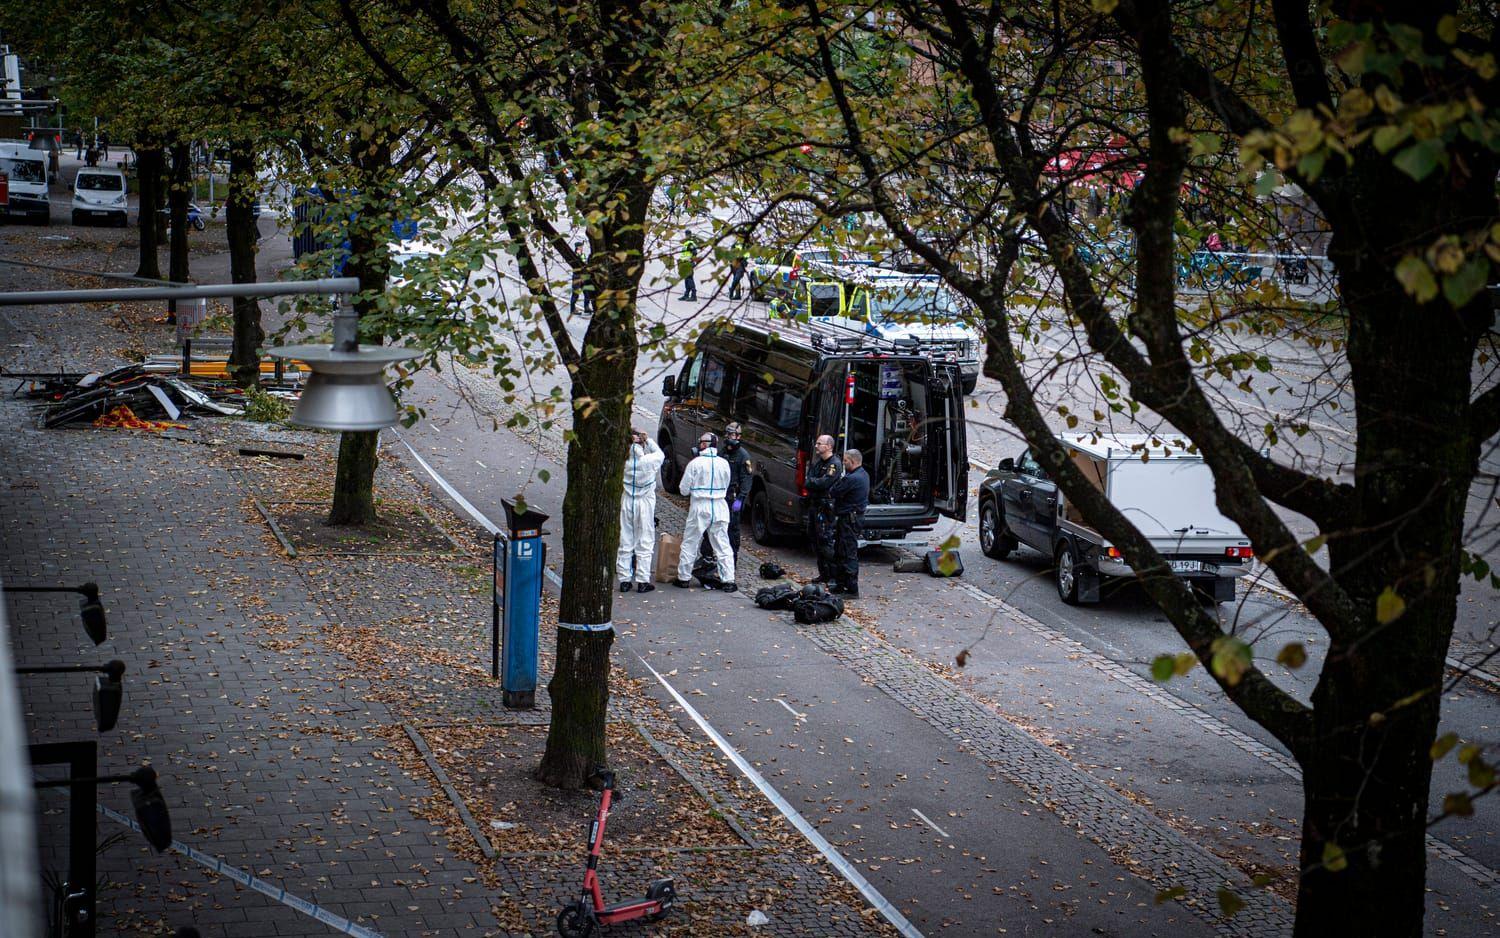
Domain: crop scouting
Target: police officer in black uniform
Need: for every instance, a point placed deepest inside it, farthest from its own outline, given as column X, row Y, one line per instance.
column 739, row 481
column 819, row 480
column 851, row 496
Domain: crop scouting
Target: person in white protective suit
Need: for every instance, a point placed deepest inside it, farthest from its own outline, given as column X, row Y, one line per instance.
column 706, row 484
column 638, row 514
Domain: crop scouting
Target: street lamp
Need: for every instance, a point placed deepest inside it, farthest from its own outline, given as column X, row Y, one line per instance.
column 346, row 390
column 150, row 807
column 89, row 608
column 109, row 689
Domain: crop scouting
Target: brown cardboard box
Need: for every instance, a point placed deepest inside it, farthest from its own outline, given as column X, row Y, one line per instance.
column 668, row 551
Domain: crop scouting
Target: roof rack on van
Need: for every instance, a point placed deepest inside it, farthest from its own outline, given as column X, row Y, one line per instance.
column 826, row 337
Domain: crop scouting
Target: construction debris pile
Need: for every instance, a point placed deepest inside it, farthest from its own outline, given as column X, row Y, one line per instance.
column 137, row 395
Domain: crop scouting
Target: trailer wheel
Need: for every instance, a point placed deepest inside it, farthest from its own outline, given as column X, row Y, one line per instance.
column 1067, row 573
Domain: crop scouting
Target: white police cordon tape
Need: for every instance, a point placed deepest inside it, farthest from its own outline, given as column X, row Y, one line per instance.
column 829, row 852
column 276, row 893
column 586, row 627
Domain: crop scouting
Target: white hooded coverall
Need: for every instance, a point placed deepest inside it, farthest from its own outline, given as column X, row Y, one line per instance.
column 706, row 484
column 638, row 512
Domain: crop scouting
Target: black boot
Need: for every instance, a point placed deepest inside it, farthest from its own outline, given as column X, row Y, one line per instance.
column 625, row 586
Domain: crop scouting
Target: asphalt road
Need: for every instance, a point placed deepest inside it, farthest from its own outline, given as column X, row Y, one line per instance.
column 935, row 823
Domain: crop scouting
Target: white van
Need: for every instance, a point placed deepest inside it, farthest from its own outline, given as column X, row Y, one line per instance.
column 99, row 193
column 27, row 171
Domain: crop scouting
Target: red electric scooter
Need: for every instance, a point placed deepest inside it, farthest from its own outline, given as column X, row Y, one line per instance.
column 583, row 917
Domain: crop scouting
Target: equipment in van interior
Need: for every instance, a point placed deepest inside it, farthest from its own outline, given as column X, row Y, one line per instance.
column 787, row 385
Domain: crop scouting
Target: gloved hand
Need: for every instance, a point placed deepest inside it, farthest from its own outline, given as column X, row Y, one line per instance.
column 736, row 504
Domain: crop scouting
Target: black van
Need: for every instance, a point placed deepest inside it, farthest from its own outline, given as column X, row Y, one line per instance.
column 786, row 387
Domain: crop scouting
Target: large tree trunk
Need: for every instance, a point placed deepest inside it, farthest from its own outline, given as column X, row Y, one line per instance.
column 244, row 357
column 150, row 167
column 369, row 261
column 601, row 395
column 178, row 197
column 354, row 480
column 1377, row 703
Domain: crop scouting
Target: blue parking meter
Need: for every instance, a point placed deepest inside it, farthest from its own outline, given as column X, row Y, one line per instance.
column 520, row 585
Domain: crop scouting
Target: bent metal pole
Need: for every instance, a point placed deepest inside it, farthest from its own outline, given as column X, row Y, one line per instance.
column 331, row 285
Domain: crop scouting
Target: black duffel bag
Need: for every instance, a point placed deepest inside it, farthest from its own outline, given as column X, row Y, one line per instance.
column 779, row 596
column 815, row 604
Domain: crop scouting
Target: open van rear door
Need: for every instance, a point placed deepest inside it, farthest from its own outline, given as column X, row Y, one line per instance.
column 947, row 441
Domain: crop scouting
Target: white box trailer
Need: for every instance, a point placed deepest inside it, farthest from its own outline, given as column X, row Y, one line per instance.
column 1167, row 492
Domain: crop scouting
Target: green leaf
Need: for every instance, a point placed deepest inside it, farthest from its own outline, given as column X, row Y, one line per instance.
column 1481, row 773
column 1333, row 858
column 1443, row 745
column 1104, row 6
column 1231, row 659
column 544, row 475
column 1314, row 544
column 1293, row 655
column 1447, row 29
column 1163, row 667
column 1170, row 893
column 1387, row 137
column 1458, row 803
column 1389, row 606
column 1229, row 902
column 1416, row 278
column 1420, row 159
column 1461, row 286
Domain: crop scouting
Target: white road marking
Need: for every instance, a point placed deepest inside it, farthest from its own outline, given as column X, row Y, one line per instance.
column 829, row 852
column 928, row 821
column 800, row 716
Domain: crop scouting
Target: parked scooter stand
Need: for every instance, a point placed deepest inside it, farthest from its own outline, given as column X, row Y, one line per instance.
column 583, row 917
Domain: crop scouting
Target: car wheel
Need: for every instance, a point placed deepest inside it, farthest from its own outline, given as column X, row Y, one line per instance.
column 671, row 473
column 994, row 540
column 760, row 518
column 970, row 383
column 1067, row 574
column 199, row 224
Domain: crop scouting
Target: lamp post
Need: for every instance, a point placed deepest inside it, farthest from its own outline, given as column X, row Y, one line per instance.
column 346, row 390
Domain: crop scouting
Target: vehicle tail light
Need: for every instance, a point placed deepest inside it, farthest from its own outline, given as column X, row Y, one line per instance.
column 1113, row 553
column 1240, row 553
column 802, row 471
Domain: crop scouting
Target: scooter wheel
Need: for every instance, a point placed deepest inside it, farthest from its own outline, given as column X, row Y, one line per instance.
column 575, row 922
column 664, row 892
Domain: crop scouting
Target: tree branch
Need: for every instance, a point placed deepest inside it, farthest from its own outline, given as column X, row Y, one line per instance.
column 1273, row 708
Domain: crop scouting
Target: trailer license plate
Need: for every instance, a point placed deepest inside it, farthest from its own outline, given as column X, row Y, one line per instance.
column 1187, row 566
